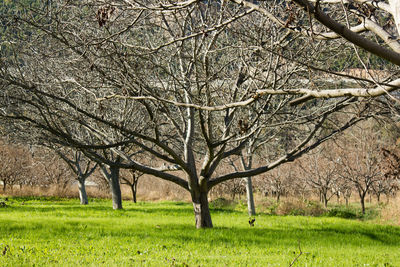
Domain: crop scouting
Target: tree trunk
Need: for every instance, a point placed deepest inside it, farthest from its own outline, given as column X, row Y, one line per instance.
column 250, row 199
column 249, row 185
column 201, row 210
column 133, row 188
column 4, row 186
column 325, row 201
column 362, row 200
column 115, row 188
column 82, row 191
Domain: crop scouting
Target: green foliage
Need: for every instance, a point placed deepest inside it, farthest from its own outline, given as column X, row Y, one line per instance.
column 10, row 11
column 349, row 59
column 296, row 207
column 55, row 232
column 342, row 213
column 224, row 203
column 354, row 212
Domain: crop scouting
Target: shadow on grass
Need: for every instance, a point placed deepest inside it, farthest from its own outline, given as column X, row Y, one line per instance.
column 35, row 198
column 49, row 206
column 186, row 233
column 283, row 231
column 261, row 237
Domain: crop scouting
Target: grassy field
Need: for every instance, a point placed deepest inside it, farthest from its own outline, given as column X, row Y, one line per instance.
column 54, row 232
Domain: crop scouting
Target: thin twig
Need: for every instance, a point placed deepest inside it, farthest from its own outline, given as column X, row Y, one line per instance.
column 298, row 256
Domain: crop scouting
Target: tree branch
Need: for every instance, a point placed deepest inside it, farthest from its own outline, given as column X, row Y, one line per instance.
column 346, row 33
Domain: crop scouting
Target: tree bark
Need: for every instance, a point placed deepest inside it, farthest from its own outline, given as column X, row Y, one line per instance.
column 351, row 36
column 325, row 198
column 363, row 206
column 395, row 7
column 112, row 177
column 325, row 202
column 82, row 191
column 362, row 201
column 249, row 185
column 115, row 188
column 201, row 210
column 250, row 199
column 133, row 188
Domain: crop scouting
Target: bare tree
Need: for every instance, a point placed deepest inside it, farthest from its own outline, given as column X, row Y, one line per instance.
column 358, row 160
column 112, row 174
column 344, row 187
column 174, row 80
column 15, row 163
column 383, row 186
column 132, row 181
column 254, row 146
column 82, row 168
column 280, row 181
column 320, row 172
column 51, row 170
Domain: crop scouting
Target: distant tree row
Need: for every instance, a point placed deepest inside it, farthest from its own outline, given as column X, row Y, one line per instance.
column 362, row 162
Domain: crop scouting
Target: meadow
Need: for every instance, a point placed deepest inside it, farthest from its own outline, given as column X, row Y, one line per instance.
column 60, row 232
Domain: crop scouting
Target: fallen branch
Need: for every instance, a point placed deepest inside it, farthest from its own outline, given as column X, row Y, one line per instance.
column 298, row 256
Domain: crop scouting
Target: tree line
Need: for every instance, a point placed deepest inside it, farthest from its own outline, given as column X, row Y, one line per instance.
column 354, row 164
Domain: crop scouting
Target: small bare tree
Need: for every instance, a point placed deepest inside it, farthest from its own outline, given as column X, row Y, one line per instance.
column 344, row 188
column 82, row 167
column 320, row 173
column 358, row 160
column 15, row 164
column 280, row 181
column 131, row 178
column 51, row 170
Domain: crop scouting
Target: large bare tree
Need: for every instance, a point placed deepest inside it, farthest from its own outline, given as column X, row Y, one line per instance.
column 187, row 83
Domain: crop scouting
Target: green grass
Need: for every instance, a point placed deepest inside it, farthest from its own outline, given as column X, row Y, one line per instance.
column 54, row 232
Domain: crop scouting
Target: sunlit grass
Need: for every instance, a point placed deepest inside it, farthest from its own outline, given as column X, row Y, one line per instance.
column 51, row 232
